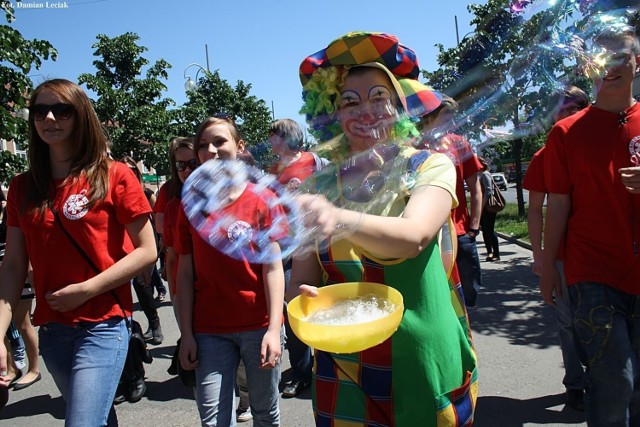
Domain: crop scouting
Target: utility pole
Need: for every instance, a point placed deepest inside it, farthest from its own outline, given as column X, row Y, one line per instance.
column 206, row 51
column 457, row 35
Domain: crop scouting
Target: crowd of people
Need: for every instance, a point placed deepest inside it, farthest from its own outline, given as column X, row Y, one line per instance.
column 386, row 201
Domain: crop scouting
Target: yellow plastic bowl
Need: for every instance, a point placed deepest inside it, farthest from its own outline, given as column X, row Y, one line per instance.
column 344, row 338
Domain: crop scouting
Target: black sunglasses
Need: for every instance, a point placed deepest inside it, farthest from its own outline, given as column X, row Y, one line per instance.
column 223, row 116
column 182, row 166
column 60, row 111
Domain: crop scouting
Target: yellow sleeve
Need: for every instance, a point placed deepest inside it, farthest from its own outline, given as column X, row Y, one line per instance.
column 438, row 171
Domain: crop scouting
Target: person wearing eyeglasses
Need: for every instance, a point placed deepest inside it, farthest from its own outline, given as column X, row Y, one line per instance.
column 230, row 309
column 182, row 161
column 73, row 186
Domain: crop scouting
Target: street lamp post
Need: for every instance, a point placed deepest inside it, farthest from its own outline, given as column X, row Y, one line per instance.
column 190, row 84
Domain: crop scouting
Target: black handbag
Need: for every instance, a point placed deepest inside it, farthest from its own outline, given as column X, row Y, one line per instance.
column 132, row 386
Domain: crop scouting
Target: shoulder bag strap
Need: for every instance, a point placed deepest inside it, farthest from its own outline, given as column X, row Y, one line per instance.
column 89, row 261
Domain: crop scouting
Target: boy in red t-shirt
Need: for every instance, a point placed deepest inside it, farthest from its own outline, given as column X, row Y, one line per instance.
column 230, row 309
column 593, row 184
column 438, row 126
column 570, row 100
column 294, row 167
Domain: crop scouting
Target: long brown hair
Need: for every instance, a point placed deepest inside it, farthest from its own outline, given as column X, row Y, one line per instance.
column 175, row 190
column 89, row 157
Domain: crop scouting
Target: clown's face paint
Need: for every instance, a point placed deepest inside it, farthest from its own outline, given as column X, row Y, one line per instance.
column 367, row 111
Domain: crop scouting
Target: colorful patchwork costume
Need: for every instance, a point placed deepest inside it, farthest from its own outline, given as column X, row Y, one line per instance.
column 425, row 374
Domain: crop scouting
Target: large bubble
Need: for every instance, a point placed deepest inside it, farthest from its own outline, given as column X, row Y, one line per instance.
column 242, row 211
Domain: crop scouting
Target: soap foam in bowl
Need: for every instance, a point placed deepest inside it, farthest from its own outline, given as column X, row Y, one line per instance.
column 383, row 302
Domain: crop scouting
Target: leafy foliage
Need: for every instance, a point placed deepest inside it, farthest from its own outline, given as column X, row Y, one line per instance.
column 214, row 95
column 11, row 165
column 130, row 106
column 17, row 59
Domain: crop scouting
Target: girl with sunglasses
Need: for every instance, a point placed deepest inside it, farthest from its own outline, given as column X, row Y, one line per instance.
column 72, row 185
column 183, row 161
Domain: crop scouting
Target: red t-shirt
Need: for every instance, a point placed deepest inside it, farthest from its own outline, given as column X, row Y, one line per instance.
column 534, row 181
column 170, row 228
column 582, row 158
column 99, row 231
column 534, row 178
column 467, row 164
column 229, row 293
column 162, row 199
column 295, row 173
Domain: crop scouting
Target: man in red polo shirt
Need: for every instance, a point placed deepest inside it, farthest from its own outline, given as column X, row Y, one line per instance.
column 594, row 200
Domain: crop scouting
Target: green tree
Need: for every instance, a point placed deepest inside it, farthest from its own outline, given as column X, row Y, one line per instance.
column 17, row 58
column 502, row 75
column 10, row 166
column 131, row 107
column 214, row 95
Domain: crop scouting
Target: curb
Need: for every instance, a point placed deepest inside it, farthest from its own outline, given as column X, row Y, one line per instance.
column 513, row 240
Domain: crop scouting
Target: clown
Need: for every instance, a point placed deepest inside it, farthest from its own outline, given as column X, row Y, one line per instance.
column 362, row 95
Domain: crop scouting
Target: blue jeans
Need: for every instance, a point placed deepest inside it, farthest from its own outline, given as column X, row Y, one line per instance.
column 219, row 356
column 607, row 325
column 573, row 370
column 86, row 362
column 468, row 264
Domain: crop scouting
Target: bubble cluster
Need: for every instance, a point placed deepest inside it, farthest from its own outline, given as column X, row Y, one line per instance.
column 503, row 82
column 365, row 308
column 211, row 197
column 509, row 69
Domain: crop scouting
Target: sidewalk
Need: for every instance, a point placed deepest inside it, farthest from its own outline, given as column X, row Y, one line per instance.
column 520, row 372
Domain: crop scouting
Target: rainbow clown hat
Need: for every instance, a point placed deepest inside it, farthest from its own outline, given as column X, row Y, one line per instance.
column 382, row 51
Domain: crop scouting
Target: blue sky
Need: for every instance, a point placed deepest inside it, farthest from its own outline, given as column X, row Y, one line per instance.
column 259, row 42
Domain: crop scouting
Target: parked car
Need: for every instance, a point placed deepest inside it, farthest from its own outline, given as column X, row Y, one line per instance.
column 500, row 180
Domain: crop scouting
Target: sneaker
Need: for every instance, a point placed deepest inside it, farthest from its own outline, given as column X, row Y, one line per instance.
column 161, row 296
column 243, row 415
column 575, row 399
column 294, row 388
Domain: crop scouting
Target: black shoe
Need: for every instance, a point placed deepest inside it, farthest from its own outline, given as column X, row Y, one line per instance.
column 21, row 386
column 149, row 334
column 294, row 388
column 161, row 296
column 156, row 336
column 575, row 399
column 136, row 390
column 120, row 397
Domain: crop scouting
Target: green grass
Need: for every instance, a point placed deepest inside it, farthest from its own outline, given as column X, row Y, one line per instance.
column 510, row 223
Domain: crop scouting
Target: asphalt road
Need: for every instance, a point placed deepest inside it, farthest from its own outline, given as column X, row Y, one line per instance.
column 510, row 195
column 520, row 367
